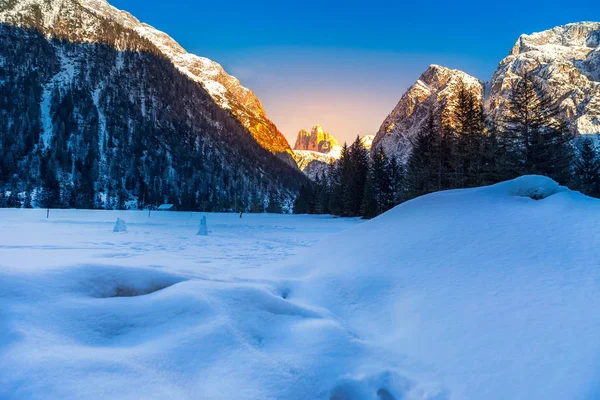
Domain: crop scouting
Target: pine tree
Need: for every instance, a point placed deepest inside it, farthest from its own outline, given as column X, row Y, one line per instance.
column 396, row 173
column 540, row 142
column 424, row 166
column 339, row 176
column 382, row 181
column 369, row 201
column 468, row 163
column 302, row 204
column 587, row 169
column 355, row 180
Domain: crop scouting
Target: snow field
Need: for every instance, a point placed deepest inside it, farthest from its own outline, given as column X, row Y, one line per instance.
column 488, row 293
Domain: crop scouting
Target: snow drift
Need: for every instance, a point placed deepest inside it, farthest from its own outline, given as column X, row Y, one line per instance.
column 487, row 293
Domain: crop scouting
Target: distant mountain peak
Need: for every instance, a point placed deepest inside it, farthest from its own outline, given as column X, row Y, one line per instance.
column 316, row 140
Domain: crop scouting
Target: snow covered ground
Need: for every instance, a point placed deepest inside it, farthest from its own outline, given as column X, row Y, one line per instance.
column 468, row 294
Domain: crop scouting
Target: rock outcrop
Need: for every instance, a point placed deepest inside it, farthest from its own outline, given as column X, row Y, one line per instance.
column 316, row 140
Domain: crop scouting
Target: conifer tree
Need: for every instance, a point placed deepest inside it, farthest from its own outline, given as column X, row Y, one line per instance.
column 369, row 202
column 541, row 143
column 468, row 163
column 587, row 169
column 424, row 166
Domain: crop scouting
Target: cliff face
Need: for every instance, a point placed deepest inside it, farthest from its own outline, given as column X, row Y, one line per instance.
column 436, row 87
column 315, row 140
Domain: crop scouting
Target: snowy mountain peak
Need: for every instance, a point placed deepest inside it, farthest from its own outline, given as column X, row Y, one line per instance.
column 584, row 35
column 566, row 61
column 437, row 86
column 316, row 140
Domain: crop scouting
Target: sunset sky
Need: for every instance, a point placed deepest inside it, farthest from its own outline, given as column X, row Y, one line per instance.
column 345, row 65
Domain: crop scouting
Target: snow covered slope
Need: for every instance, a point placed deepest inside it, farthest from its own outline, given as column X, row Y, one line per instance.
column 89, row 21
column 469, row 294
column 436, row 88
column 482, row 293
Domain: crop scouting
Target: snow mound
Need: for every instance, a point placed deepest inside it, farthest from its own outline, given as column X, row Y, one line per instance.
column 476, row 293
column 535, row 187
column 203, row 230
column 120, row 226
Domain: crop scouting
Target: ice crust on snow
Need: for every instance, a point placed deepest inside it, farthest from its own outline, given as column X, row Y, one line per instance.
column 479, row 293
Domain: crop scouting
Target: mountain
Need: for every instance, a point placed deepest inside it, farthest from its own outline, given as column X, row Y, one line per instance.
column 100, row 109
column 565, row 60
column 315, row 150
column 87, row 21
column 316, row 140
column 436, row 87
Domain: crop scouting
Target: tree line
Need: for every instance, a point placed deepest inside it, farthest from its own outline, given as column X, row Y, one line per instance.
column 459, row 146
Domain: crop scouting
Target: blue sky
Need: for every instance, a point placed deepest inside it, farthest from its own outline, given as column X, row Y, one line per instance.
column 345, row 64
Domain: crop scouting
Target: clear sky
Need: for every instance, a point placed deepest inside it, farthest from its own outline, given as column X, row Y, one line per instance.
column 345, row 64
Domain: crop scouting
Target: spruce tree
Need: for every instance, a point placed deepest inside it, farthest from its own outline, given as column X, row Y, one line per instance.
column 369, row 202
column 587, row 169
column 468, row 162
column 540, row 142
column 424, row 166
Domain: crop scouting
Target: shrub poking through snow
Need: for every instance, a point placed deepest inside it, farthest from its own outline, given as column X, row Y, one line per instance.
column 120, row 226
column 203, row 230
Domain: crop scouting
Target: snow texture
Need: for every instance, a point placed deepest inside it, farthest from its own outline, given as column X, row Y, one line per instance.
column 487, row 293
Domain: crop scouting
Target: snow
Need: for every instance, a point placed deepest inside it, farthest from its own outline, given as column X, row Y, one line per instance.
column 120, row 226
column 203, row 230
column 60, row 80
column 487, row 293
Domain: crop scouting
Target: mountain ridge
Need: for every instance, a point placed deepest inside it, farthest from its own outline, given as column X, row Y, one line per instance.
column 564, row 59
column 67, row 19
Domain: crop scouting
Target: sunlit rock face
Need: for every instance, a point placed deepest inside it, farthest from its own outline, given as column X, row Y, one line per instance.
column 315, row 140
column 436, row 88
column 566, row 62
column 367, row 141
column 86, row 21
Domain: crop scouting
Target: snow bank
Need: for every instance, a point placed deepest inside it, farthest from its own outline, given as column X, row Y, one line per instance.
column 483, row 293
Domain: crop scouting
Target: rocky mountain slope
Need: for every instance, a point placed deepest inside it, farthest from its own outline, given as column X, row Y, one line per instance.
column 565, row 60
column 436, row 87
column 100, row 110
column 88, row 21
